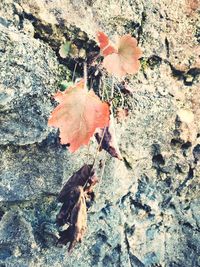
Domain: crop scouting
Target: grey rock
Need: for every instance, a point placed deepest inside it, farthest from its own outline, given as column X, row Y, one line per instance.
column 146, row 211
column 22, row 178
column 25, row 90
column 16, row 236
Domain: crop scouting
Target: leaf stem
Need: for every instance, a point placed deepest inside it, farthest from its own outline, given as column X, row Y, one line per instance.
column 85, row 75
column 98, row 148
column 73, row 76
column 102, row 173
column 122, row 98
column 95, row 157
column 112, row 88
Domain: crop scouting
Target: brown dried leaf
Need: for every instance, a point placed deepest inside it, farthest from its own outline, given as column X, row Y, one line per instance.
column 93, row 180
column 71, row 199
column 74, row 194
column 78, row 221
column 109, row 142
column 79, row 178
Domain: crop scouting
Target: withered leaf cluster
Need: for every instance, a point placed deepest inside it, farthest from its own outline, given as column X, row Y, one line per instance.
column 74, row 195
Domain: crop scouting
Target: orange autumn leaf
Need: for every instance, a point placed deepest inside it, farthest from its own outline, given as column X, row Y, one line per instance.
column 105, row 45
column 122, row 59
column 78, row 115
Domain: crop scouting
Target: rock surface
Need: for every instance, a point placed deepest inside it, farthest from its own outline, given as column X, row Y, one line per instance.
column 146, row 212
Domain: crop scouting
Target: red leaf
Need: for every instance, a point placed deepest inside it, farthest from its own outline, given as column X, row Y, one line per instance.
column 105, row 46
column 122, row 60
column 78, row 115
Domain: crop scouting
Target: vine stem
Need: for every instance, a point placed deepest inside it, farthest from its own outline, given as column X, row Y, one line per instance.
column 98, row 148
column 102, row 173
column 95, row 157
column 104, row 130
column 73, row 76
column 112, row 89
column 104, row 161
column 104, row 94
column 122, row 98
column 85, row 75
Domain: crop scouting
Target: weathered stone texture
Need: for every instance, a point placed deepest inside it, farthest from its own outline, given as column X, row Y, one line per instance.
column 146, row 211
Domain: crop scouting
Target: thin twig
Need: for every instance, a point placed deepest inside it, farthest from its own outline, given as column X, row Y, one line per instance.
column 91, row 84
column 119, row 90
column 74, row 72
column 102, row 173
column 85, row 75
column 99, row 146
column 106, row 94
column 112, row 89
column 102, row 85
column 95, row 157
